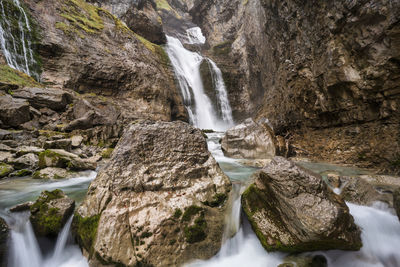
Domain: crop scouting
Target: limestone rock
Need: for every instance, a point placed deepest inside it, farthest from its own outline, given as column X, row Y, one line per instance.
column 161, row 196
column 22, row 150
column 5, row 169
column 50, row 212
column 249, row 140
column 4, row 236
column 21, row 207
column 76, row 140
column 52, row 173
column 291, row 209
column 52, row 98
column 63, row 159
column 5, row 156
column 13, row 111
column 27, row 161
column 64, row 144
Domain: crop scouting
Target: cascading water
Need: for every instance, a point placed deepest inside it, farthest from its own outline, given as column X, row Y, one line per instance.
column 186, row 65
column 15, row 38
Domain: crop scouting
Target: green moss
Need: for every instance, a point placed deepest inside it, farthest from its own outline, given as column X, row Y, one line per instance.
column 163, row 4
column 14, row 77
column 81, row 17
column 107, row 153
column 156, row 49
column 49, row 133
column 196, row 233
column 177, row 213
column 5, row 169
column 222, row 49
column 146, row 234
column 190, row 212
column 23, row 172
column 218, row 200
column 86, row 230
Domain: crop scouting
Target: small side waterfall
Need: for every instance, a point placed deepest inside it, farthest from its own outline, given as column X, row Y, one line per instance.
column 25, row 250
column 186, row 65
column 16, row 38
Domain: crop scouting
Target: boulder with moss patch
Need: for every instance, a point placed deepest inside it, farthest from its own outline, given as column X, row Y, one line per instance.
column 52, row 173
column 62, row 159
column 169, row 194
column 50, row 212
column 292, row 210
column 5, row 169
column 27, row 161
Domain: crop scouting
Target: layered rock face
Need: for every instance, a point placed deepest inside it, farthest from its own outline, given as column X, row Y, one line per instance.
column 249, row 140
column 314, row 65
column 292, row 210
column 159, row 201
column 50, row 212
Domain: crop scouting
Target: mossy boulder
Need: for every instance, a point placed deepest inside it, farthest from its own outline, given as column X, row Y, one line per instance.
column 62, row 159
column 21, row 173
column 292, row 210
column 4, row 235
column 50, row 212
column 5, row 169
column 52, row 173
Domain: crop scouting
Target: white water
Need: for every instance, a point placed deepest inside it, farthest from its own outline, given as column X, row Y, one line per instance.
column 25, row 249
column 380, row 231
column 186, row 65
column 17, row 50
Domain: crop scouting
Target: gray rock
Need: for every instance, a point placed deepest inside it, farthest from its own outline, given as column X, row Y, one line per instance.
column 14, row 111
column 5, row 169
column 50, row 212
column 4, row 134
column 5, row 156
column 76, row 140
column 168, row 190
column 52, row 98
column 22, row 150
column 52, row 173
column 22, row 207
column 396, row 202
column 58, row 144
column 293, row 210
column 27, row 161
column 63, row 159
column 249, row 140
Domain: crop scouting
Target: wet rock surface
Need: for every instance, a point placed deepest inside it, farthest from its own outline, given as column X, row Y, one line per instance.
column 50, row 212
column 4, row 236
column 249, row 140
column 169, row 194
column 291, row 209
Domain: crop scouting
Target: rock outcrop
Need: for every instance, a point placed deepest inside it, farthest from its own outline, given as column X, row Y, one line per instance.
column 50, row 212
column 324, row 72
column 292, row 210
column 249, row 140
column 161, row 198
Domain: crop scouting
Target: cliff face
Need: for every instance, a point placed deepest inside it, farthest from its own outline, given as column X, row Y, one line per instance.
column 88, row 50
column 327, row 72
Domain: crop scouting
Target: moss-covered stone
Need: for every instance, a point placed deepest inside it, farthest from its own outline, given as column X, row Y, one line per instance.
column 21, row 173
column 49, row 158
column 196, row 232
column 106, row 153
column 50, row 212
column 190, row 212
column 5, row 169
column 85, row 229
column 218, row 200
column 177, row 213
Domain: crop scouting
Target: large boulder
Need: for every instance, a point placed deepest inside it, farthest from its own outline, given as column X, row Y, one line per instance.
column 52, row 98
column 249, row 140
column 27, row 161
column 52, row 173
column 4, row 235
column 293, row 210
column 161, row 198
column 13, row 111
column 50, row 212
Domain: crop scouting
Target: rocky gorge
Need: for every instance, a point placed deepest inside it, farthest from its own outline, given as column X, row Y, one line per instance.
column 199, row 133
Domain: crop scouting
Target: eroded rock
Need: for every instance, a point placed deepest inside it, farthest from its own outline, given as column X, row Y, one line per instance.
column 13, row 111
column 4, row 235
column 52, row 98
column 293, row 210
column 162, row 196
column 249, row 140
column 52, row 173
column 63, row 159
column 50, row 212
column 5, row 169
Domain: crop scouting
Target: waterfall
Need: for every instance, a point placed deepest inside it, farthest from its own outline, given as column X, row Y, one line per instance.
column 15, row 38
column 199, row 106
column 25, row 249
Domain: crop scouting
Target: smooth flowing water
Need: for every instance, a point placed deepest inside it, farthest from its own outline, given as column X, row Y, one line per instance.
column 15, row 42
column 25, row 248
column 380, row 228
column 199, row 106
